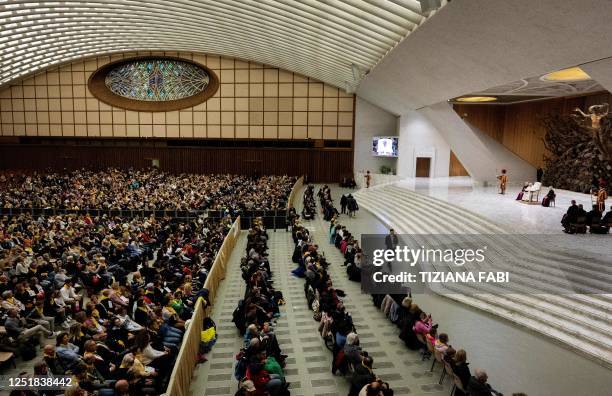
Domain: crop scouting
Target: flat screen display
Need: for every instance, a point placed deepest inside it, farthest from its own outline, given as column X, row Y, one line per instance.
column 384, row 146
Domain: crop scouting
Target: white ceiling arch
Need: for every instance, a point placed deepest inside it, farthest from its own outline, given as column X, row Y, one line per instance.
column 321, row 39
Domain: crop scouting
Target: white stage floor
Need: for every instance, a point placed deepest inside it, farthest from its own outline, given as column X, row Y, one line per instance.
column 502, row 209
column 512, row 215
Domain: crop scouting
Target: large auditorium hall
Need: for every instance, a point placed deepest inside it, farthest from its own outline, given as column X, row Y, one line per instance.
column 305, row 197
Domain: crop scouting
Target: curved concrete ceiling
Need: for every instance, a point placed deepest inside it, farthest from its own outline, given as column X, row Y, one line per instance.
column 321, row 39
column 473, row 45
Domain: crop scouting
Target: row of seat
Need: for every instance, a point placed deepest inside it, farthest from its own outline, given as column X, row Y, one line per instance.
column 175, row 213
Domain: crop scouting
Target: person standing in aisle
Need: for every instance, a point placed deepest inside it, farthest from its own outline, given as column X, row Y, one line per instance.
column 343, row 203
column 351, row 203
column 539, row 174
column 391, row 240
column 391, row 243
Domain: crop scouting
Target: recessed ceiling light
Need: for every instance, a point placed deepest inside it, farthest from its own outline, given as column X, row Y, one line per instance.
column 571, row 74
column 476, row 99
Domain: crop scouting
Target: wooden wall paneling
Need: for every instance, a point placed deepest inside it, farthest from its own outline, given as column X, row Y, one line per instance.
column 455, row 167
column 488, row 119
column 519, row 126
column 321, row 165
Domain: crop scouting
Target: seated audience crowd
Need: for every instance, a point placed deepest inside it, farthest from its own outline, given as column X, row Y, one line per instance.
column 147, row 189
column 260, row 363
column 106, row 298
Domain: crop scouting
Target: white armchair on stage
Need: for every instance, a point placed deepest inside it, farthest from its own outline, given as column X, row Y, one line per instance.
column 532, row 191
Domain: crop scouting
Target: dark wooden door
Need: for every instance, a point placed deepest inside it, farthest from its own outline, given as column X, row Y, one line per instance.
column 422, row 166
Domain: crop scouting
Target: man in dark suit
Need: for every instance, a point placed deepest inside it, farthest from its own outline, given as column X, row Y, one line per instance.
column 391, row 240
column 570, row 216
column 343, row 203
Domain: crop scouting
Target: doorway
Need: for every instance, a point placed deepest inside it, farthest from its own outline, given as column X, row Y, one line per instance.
column 423, row 164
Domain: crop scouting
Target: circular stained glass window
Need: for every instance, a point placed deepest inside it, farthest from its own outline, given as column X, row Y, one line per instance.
column 153, row 83
column 157, row 80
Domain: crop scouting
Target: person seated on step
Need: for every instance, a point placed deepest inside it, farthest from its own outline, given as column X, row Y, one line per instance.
column 570, row 216
column 593, row 216
column 345, row 242
column 377, row 388
column 329, row 210
column 350, row 250
column 606, row 221
column 265, row 383
column 362, row 376
column 597, row 223
column 271, row 365
column 308, row 213
column 372, row 389
column 246, row 388
column 340, row 232
column 353, row 268
column 350, row 356
column 266, row 340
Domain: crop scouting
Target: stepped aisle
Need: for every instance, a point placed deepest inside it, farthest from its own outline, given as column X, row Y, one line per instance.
column 581, row 321
column 310, row 368
column 216, row 376
column 308, row 360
